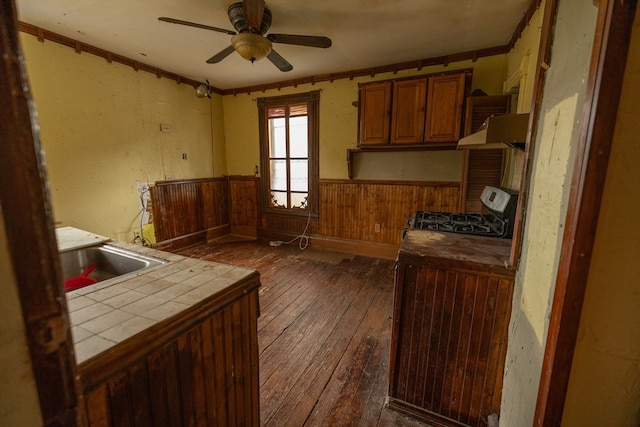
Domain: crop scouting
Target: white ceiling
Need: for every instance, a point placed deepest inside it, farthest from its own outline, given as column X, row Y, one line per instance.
column 365, row 33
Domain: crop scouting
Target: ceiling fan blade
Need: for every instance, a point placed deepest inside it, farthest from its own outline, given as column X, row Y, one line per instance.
column 220, row 55
column 279, row 61
column 311, row 41
column 196, row 25
column 253, row 11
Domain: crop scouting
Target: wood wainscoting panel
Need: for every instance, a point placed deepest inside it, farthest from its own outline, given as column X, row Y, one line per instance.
column 189, row 212
column 244, row 205
column 188, row 207
column 215, row 202
column 351, row 209
column 204, row 375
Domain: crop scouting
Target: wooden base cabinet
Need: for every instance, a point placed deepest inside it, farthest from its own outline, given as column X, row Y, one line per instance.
column 449, row 339
column 197, row 370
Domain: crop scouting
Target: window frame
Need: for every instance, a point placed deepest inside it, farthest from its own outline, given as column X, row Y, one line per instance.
column 312, row 99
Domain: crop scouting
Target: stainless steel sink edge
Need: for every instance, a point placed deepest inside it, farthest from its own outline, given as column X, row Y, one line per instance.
column 111, row 264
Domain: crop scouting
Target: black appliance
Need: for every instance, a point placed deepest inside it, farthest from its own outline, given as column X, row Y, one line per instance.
column 495, row 221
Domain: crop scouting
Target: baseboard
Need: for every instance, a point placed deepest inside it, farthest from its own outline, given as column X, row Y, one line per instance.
column 357, row 247
column 422, row 415
column 182, row 242
column 217, row 232
column 197, row 238
column 244, row 231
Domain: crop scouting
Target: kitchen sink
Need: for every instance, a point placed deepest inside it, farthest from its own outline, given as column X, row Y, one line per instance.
column 104, row 262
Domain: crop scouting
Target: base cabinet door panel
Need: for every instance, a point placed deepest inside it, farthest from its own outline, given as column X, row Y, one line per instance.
column 449, row 342
column 202, row 375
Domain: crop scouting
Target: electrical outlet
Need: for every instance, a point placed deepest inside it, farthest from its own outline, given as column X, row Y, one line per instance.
column 377, row 228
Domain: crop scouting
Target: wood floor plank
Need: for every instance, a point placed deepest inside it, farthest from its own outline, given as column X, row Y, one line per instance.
column 323, row 333
column 302, row 303
column 375, row 330
column 345, row 399
column 305, row 336
column 320, row 366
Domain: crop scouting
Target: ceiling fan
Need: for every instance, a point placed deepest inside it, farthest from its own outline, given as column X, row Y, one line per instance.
column 252, row 20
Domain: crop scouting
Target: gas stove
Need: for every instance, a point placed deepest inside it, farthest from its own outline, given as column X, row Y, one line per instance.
column 496, row 220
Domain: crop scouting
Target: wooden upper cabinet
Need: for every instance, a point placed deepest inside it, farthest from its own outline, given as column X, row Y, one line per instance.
column 408, row 112
column 412, row 111
column 444, row 108
column 375, row 110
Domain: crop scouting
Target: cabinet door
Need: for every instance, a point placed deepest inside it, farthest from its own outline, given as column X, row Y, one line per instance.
column 407, row 119
column 448, row 343
column 374, row 105
column 444, row 108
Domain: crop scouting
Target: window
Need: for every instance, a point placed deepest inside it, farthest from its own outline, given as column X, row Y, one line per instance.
column 289, row 153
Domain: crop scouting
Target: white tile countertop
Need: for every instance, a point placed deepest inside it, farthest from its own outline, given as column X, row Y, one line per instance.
column 74, row 238
column 109, row 312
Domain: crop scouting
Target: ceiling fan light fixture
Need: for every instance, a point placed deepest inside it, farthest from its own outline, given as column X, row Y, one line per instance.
column 203, row 91
column 250, row 46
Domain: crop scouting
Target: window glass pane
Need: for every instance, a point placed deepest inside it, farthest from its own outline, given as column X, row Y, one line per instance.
column 279, row 175
column 299, row 136
column 299, row 175
column 288, row 148
column 278, row 199
column 298, row 200
column 277, row 138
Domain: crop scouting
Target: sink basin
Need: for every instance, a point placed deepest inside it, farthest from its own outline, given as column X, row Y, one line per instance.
column 109, row 261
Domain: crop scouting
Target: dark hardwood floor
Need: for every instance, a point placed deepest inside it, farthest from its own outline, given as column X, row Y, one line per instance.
column 323, row 333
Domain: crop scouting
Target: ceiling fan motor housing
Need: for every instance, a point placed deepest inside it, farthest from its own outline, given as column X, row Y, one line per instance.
column 239, row 21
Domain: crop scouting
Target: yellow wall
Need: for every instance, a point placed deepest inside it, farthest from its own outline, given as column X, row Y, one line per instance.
column 100, row 128
column 339, row 122
column 521, row 70
column 218, row 138
column 604, row 386
column 553, row 158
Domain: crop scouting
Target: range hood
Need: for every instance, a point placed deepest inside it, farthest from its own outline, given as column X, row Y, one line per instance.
column 498, row 131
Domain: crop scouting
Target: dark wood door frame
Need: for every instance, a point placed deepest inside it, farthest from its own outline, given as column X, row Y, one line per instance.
column 608, row 60
column 31, row 237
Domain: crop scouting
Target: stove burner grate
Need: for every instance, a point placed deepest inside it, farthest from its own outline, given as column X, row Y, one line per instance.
column 478, row 224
